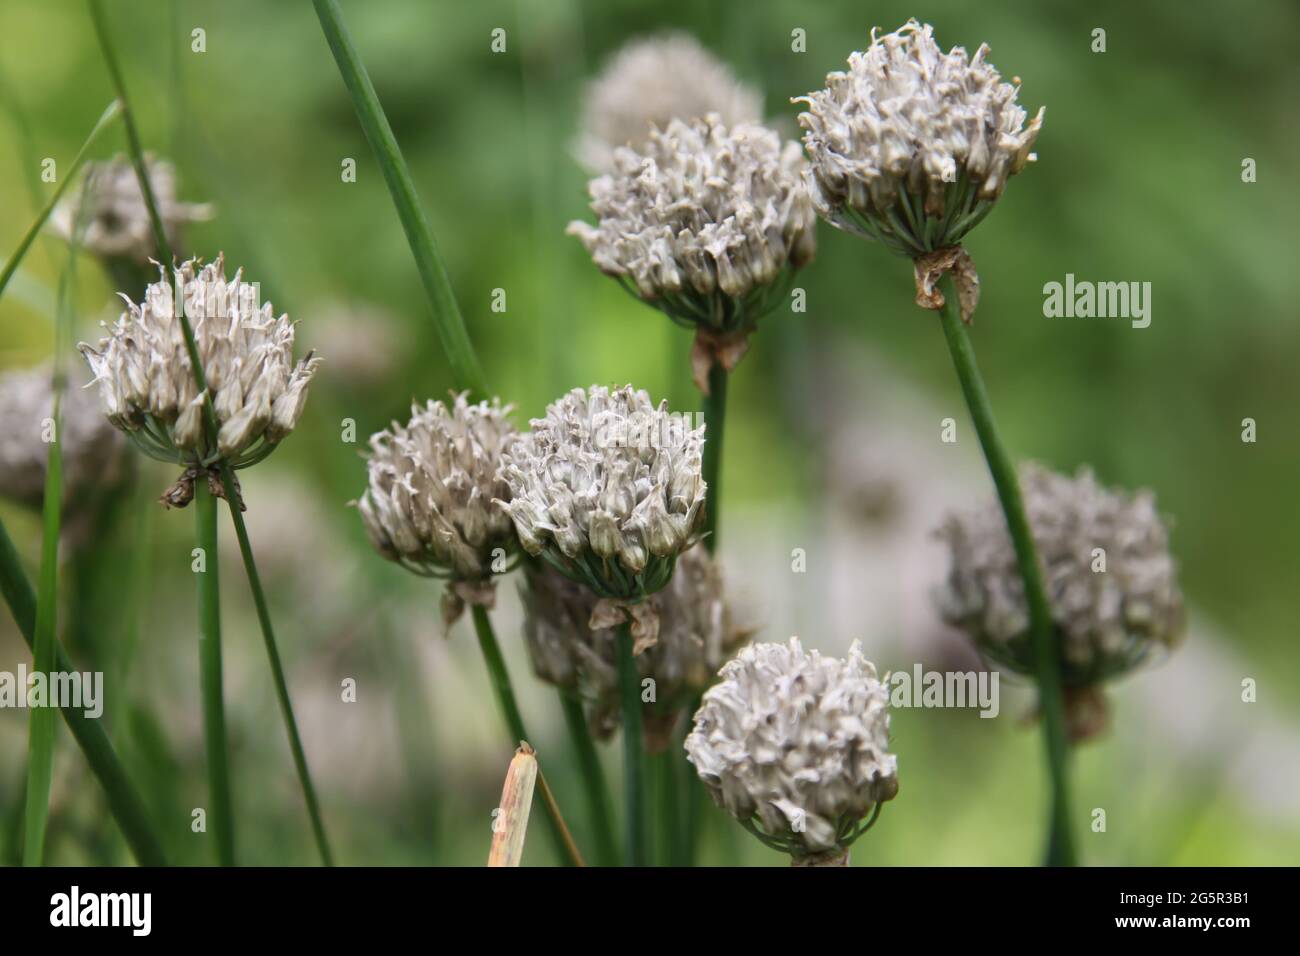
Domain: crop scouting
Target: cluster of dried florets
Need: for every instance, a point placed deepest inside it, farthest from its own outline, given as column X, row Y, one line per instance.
column 796, row 746
column 698, row 631
column 651, row 82
column 429, row 502
column 93, row 452
column 146, row 380
column 1110, row 579
column 912, row 145
column 110, row 204
column 607, row 488
column 703, row 222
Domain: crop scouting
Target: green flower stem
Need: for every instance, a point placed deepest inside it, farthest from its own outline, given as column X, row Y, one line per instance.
column 210, row 426
column 233, row 498
column 1060, row 848
column 593, row 779
column 629, row 692
column 124, row 802
column 433, row 274
column 667, row 797
column 715, row 414
column 505, row 694
column 214, row 708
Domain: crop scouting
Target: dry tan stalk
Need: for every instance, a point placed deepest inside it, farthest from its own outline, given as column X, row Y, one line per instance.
column 511, row 824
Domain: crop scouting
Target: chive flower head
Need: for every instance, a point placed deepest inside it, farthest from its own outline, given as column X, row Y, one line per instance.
column 607, row 488
column 652, row 81
column 913, row 146
column 795, row 746
column 146, row 382
column 1110, row 579
column 115, row 214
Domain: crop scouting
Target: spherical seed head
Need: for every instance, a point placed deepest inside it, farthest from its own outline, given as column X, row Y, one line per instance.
column 93, row 452
column 428, row 505
column 607, row 488
column 116, row 217
column 652, row 81
column 703, row 221
column 698, row 631
column 911, row 145
column 796, row 745
column 1113, row 608
column 146, row 382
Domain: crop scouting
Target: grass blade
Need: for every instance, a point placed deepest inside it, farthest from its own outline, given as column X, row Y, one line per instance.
column 450, row 325
column 40, row 738
column 29, row 237
column 233, row 497
column 124, row 801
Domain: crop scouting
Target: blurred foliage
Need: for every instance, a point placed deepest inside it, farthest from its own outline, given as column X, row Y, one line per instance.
column 1138, row 179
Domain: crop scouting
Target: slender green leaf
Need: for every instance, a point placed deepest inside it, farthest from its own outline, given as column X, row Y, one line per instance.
column 123, row 800
column 40, row 739
column 11, row 266
column 455, row 341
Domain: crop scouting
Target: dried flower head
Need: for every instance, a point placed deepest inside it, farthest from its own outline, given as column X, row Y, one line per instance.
column 93, row 452
column 428, row 505
column 654, row 80
column 704, row 223
column 117, row 220
column 146, row 382
column 698, row 631
column 1110, row 579
column 913, row 146
column 607, row 488
column 795, row 746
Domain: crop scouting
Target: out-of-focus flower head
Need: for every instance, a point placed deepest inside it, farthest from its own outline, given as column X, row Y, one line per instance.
column 1110, row 579
column 707, row 223
column 146, row 381
column 115, row 215
column 913, row 146
column 93, row 452
column 429, row 502
column 607, row 488
column 648, row 83
column 698, row 631
column 795, row 746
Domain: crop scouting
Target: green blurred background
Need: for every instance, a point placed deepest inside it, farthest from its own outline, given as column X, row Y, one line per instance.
column 1138, row 178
